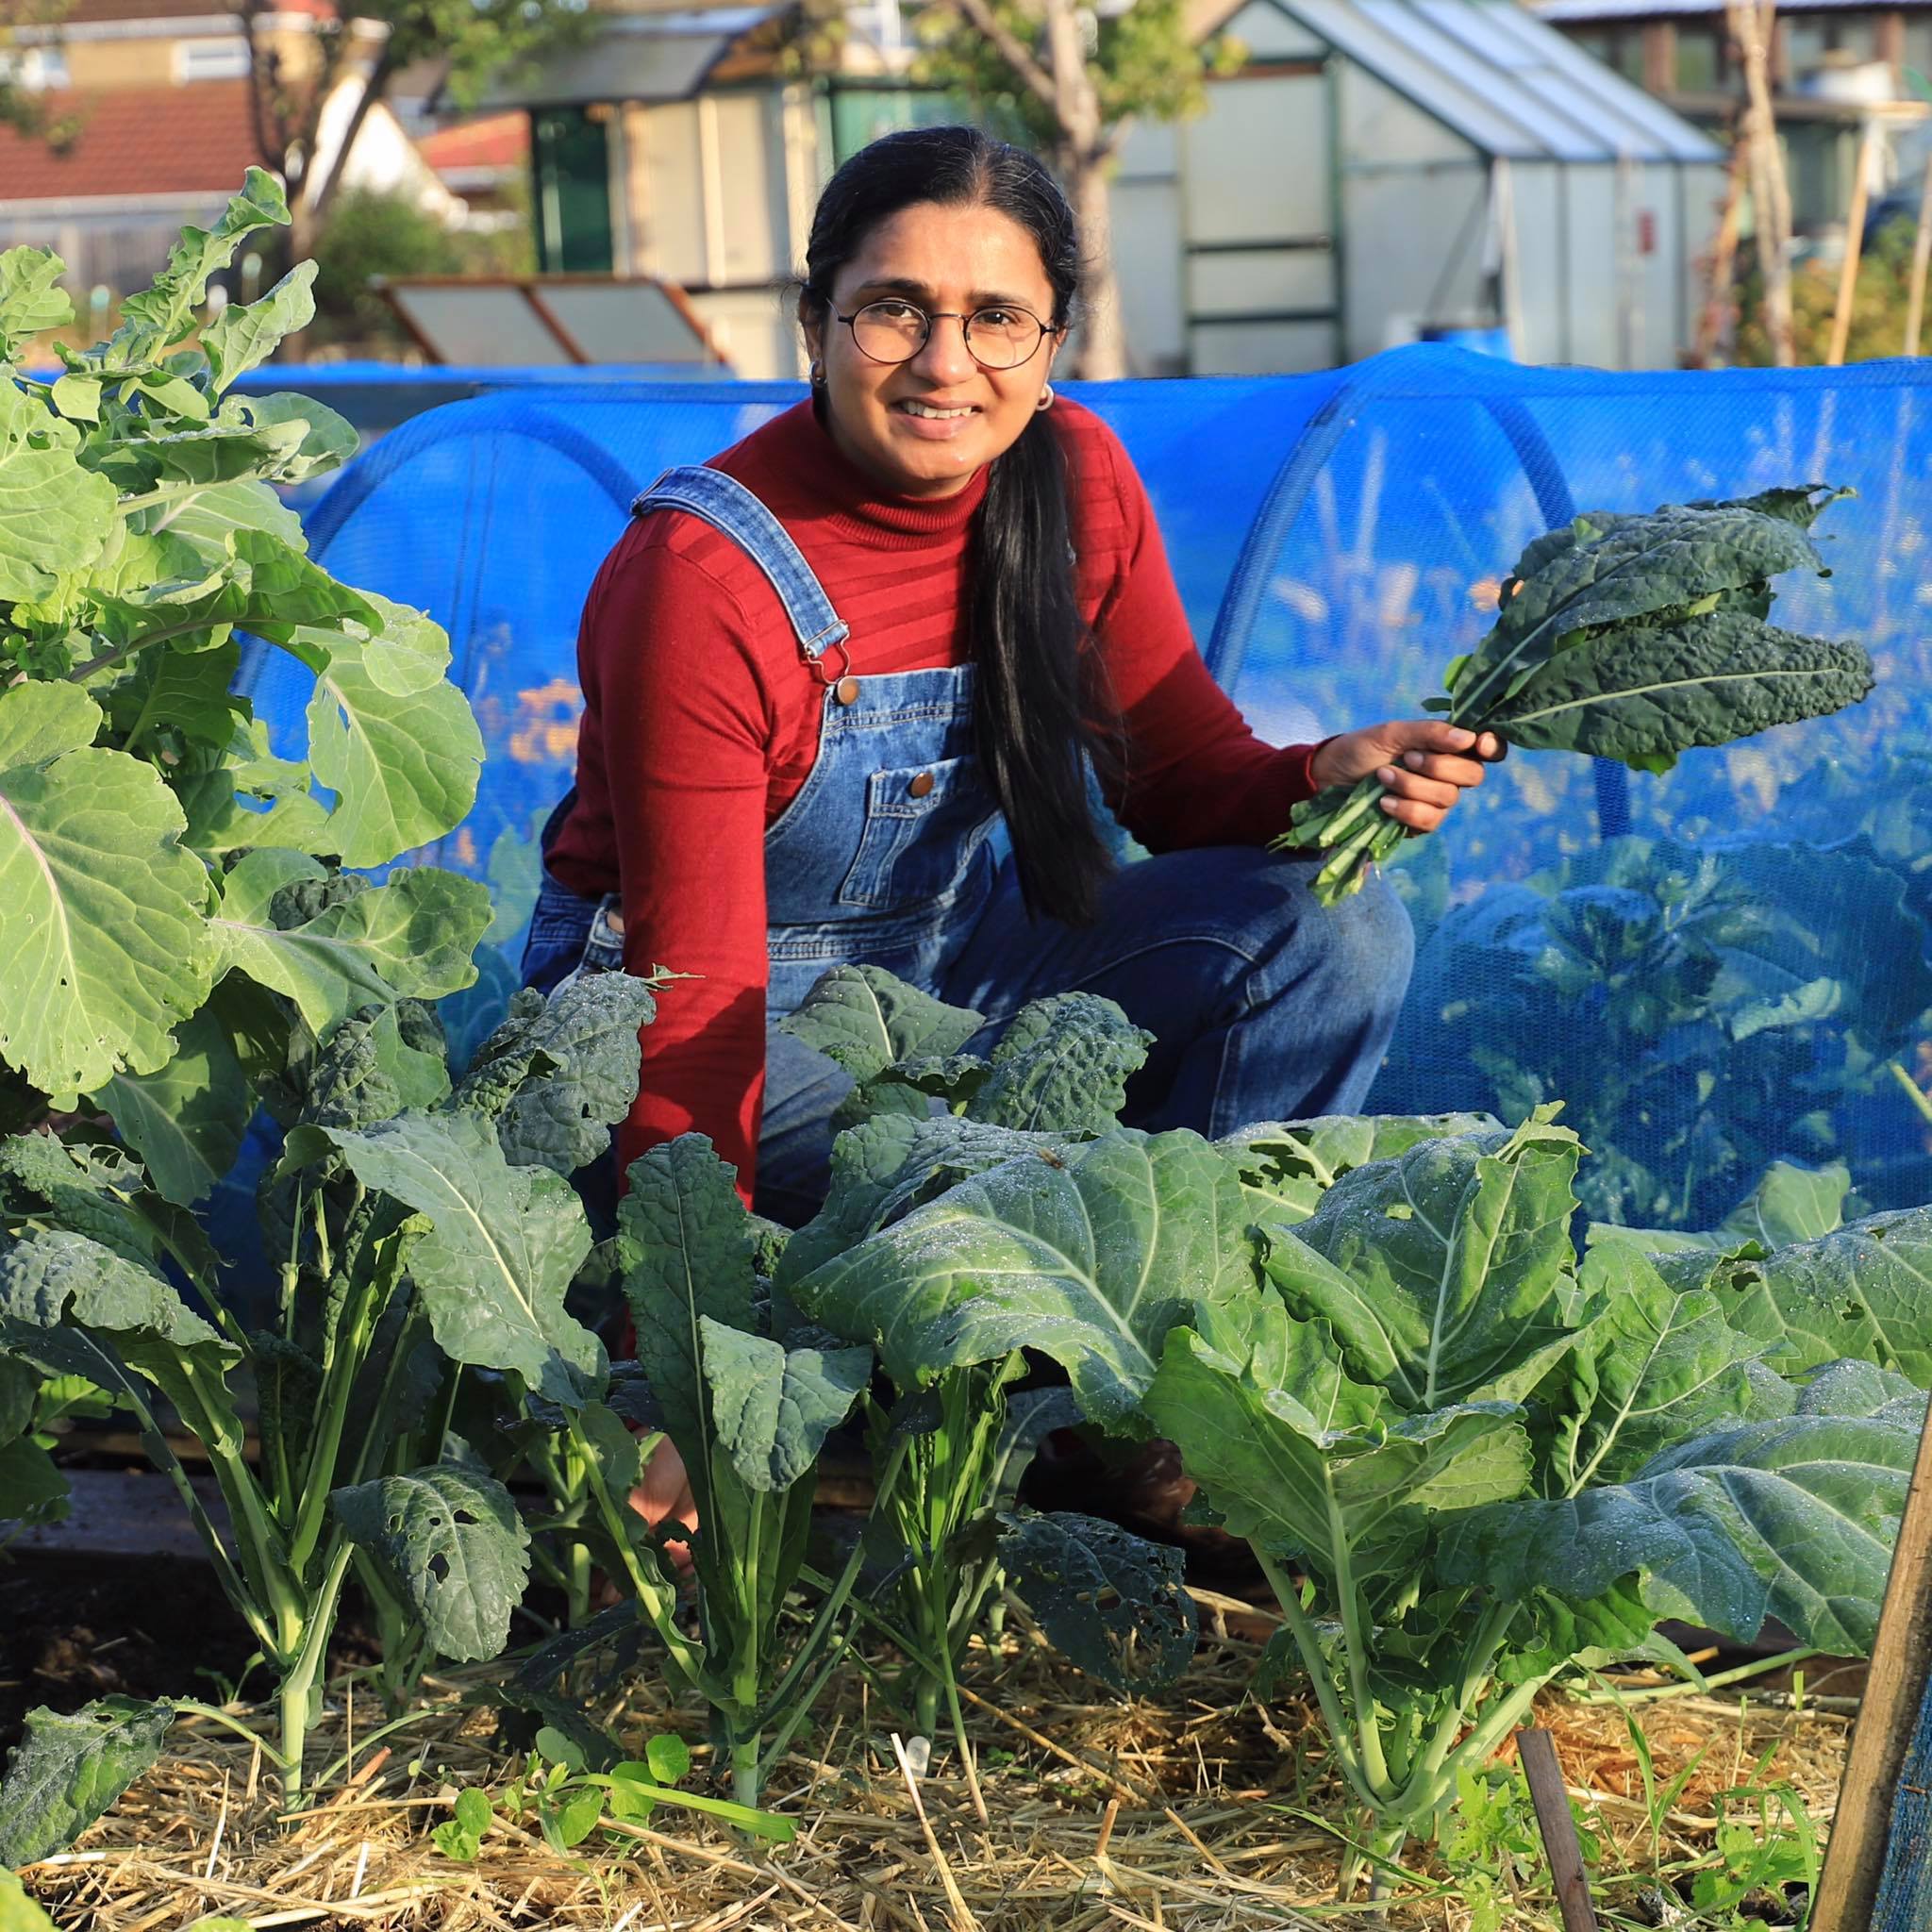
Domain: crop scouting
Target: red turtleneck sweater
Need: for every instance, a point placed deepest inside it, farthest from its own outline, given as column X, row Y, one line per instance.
column 701, row 724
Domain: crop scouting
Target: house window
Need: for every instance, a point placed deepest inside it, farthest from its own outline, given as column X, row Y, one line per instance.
column 1699, row 63
column 1918, row 47
column 212, row 59
column 1813, row 42
column 36, row 69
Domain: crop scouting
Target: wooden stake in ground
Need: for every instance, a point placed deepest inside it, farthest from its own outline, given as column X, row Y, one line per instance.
column 1895, row 1699
column 1855, row 249
column 1538, row 1750
column 1922, row 254
column 1720, row 301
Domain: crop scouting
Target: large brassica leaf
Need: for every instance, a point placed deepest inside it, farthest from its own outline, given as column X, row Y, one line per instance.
column 865, row 1020
column 54, row 515
column 1306, row 1462
column 1651, row 1368
column 1795, row 1518
column 1790, row 1204
column 496, row 1251
column 1443, row 1271
column 387, row 733
column 1088, row 1254
column 334, row 943
column 449, row 1543
column 186, row 1120
column 1287, row 1166
column 1863, row 1291
column 106, row 950
column 889, row 1165
column 69, row 1768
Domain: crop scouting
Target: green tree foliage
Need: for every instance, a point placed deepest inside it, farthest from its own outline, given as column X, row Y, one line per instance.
column 1071, row 83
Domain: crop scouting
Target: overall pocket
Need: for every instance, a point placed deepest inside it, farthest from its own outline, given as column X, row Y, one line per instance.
column 922, row 824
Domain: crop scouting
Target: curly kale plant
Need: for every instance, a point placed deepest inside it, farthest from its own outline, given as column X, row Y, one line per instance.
column 1632, row 638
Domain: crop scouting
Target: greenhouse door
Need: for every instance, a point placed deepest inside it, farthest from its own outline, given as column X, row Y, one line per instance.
column 1257, row 215
column 571, row 161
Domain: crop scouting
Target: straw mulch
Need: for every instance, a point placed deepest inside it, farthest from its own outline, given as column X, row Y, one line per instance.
column 1205, row 1811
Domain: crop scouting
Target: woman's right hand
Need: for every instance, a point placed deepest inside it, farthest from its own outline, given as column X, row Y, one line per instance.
column 663, row 1495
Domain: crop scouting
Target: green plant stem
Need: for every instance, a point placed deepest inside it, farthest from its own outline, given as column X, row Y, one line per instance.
column 1310, row 1646
column 302, row 1680
column 1654, row 1693
column 1355, row 1642
column 1918, row 1099
column 187, row 1706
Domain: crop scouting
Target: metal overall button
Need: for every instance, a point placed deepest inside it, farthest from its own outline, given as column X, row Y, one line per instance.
column 921, row 785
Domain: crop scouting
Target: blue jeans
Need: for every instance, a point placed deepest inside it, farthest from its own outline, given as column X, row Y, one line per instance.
column 1263, row 1003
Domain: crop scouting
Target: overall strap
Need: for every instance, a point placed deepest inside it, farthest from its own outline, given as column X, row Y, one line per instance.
column 726, row 505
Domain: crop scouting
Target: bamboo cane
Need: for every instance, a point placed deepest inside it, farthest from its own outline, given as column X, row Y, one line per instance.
column 1855, row 248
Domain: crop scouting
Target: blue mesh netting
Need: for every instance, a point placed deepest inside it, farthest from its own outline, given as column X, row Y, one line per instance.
column 1715, row 968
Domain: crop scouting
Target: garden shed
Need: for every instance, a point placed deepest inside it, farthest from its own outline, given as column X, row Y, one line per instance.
column 1382, row 170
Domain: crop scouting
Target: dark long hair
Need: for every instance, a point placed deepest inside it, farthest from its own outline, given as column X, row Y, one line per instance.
column 1041, row 708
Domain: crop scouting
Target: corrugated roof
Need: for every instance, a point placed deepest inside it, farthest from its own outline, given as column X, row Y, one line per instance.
column 1504, row 79
column 636, row 56
column 1577, row 11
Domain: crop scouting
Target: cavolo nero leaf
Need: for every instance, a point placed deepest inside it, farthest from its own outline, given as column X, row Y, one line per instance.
column 496, row 1251
column 451, row 1545
column 1063, row 1065
column 69, row 1768
column 1443, row 1271
column 105, row 948
column 772, row 1407
column 1795, row 1518
column 557, row 1074
column 1088, row 1254
column 1114, row 1604
column 685, row 1241
column 1644, row 695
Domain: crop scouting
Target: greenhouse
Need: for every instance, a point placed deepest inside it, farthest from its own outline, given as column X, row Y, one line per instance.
column 1548, row 1422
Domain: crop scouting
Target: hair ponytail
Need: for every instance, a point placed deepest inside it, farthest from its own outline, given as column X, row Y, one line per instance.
column 1042, row 712
column 1034, row 702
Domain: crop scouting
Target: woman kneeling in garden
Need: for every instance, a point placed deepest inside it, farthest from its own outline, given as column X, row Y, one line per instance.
column 843, row 688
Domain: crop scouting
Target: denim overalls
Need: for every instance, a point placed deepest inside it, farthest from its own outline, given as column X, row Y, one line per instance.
column 884, row 856
column 1264, row 1004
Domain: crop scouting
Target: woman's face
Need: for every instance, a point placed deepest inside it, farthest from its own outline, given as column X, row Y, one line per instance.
column 924, row 427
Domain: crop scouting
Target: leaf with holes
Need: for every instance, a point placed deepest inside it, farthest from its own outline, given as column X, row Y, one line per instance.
column 451, row 1546
column 1116, row 1605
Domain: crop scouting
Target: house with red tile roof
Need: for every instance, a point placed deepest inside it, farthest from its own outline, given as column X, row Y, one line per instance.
column 151, row 120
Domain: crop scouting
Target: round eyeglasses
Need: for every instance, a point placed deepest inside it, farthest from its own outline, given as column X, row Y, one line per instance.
column 997, row 337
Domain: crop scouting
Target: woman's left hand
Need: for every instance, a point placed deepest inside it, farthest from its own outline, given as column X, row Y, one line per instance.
column 1425, row 764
